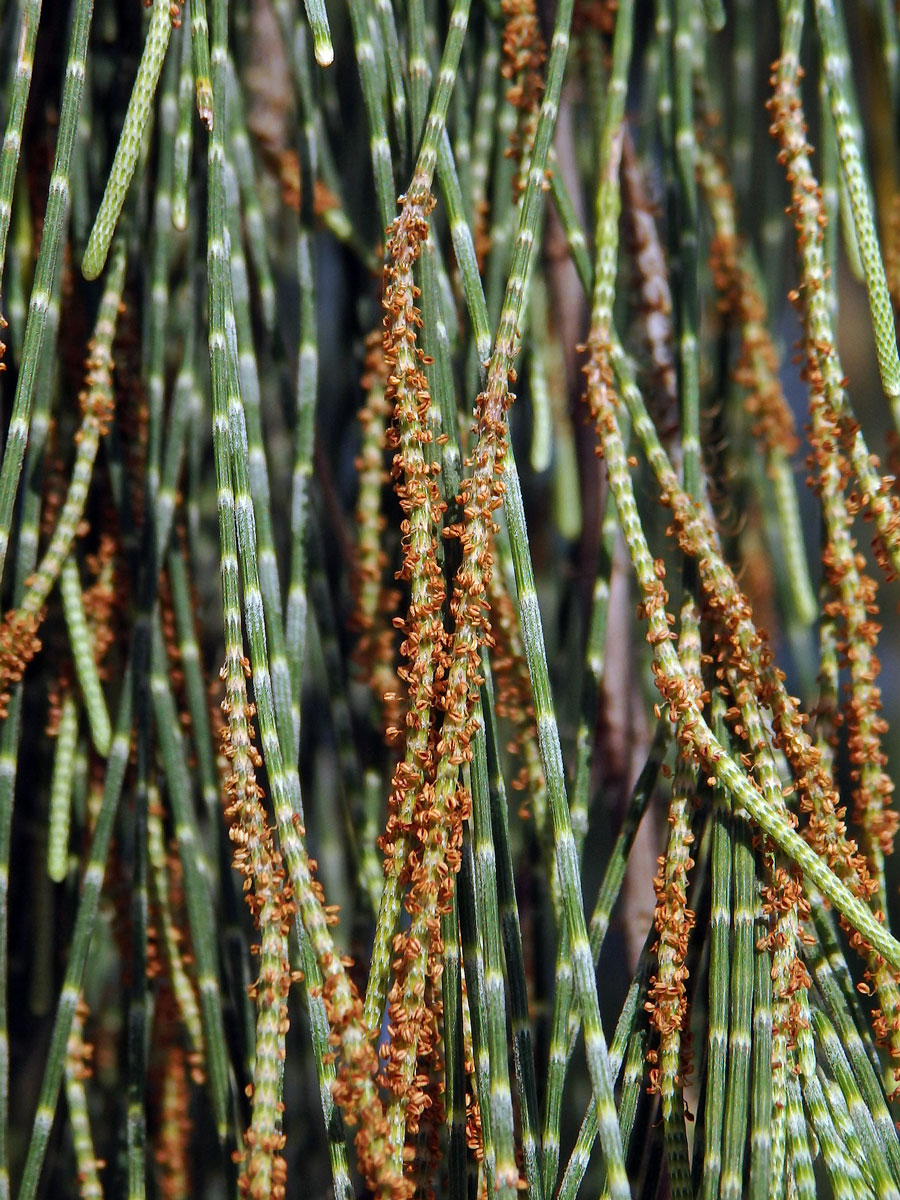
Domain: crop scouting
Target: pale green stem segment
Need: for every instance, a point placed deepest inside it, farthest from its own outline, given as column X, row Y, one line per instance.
column 172, row 937
column 476, row 1002
column 83, row 656
column 860, row 1116
column 12, row 141
column 737, row 1110
column 129, row 148
column 200, row 62
column 185, row 133
column 77, row 1067
column 45, row 270
column 318, row 24
column 419, row 68
column 88, row 903
column 495, row 1015
column 61, row 791
column 625, row 1027
column 196, row 877
column 761, row 1101
column 454, row 1055
column 393, row 65
column 800, row 1165
column 714, row 12
column 512, row 945
column 19, row 271
column 841, row 93
column 306, row 386
column 718, row 999
column 11, row 727
column 847, row 1179
column 688, row 225
column 367, row 54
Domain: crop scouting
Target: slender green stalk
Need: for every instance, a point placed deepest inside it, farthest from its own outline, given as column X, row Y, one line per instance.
column 12, row 726
column 200, row 61
column 836, row 63
column 12, row 139
column 86, row 915
column 129, row 148
column 45, row 270
column 513, row 957
column 184, row 136
column 718, row 1002
column 59, row 816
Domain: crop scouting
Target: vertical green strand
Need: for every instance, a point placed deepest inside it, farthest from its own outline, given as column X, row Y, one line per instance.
column 45, row 270
column 12, row 139
column 841, row 93
column 128, row 150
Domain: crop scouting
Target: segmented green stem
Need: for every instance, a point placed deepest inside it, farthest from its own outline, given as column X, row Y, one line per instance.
column 454, row 1058
column 625, row 1027
column 77, row 1071
column 734, row 1137
column 512, row 948
column 96, row 404
column 88, row 903
column 761, row 1100
column 802, row 1179
column 200, row 62
column 196, row 877
column 60, row 811
column 12, row 140
column 864, row 1126
column 45, row 270
column 12, row 726
column 846, row 1177
column 718, row 1001
column 182, row 985
column 488, row 921
column 566, row 1020
column 184, row 135
column 476, row 1002
column 253, row 221
column 129, row 148
column 83, row 656
column 841, row 93
column 380, row 148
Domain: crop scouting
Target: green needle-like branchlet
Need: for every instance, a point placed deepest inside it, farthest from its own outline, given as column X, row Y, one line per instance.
column 12, row 139
column 45, row 271
column 129, row 147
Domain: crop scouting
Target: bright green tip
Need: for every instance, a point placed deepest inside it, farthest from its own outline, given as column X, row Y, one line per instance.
column 94, row 257
column 324, row 50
